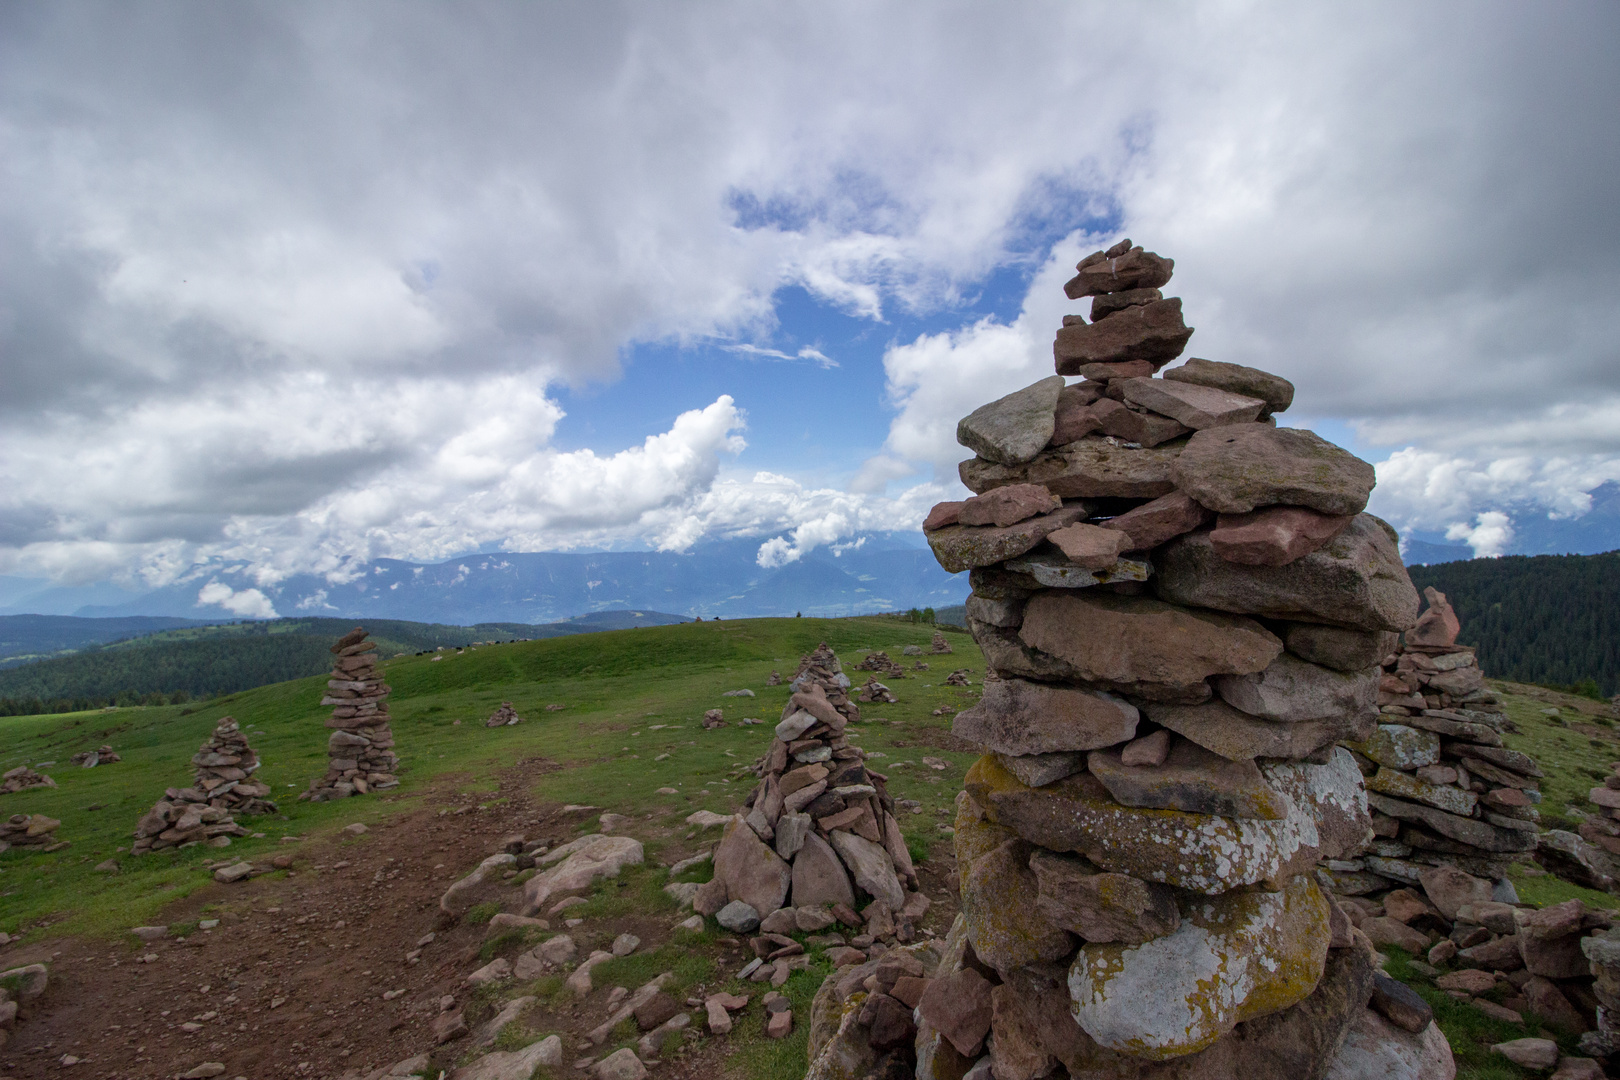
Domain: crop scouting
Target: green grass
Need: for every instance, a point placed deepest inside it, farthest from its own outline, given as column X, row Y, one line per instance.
column 1575, row 749
column 616, row 686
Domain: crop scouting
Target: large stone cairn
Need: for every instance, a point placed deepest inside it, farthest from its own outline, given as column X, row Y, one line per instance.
column 360, row 751
column 223, row 785
column 1185, row 609
column 819, row 831
column 1443, row 789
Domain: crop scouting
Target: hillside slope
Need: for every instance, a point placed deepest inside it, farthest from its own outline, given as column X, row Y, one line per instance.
column 1537, row 619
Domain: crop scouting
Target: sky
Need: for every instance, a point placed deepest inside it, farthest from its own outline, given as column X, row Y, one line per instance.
column 291, row 286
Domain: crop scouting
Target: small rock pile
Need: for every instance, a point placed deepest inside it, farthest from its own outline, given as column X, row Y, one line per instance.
column 21, row 778
column 940, row 645
column 225, row 768
column 1443, row 789
column 202, row 812
column 819, row 826
column 30, row 831
column 959, row 677
column 505, row 716
column 360, row 751
column 89, row 759
column 875, row 691
column 1185, row 608
column 881, row 663
column 19, row 987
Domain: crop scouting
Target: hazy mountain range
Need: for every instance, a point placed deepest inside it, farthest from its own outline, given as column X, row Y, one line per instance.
column 1534, row 533
column 886, row 572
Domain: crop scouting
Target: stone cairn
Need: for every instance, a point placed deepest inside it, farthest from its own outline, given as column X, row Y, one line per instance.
column 89, row 759
column 817, row 833
column 224, row 785
column 22, row 778
column 940, row 645
column 1443, row 789
column 360, row 751
column 882, row 664
column 1185, row 609
column 505, row 716
column 30, row 831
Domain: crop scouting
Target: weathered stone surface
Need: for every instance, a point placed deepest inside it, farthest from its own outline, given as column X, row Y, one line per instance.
column 1151, row 749
column 1242, row 467
column 962, row 547
column 941, row 515
column 466, row 892
column 1163, row 519
column 1529, row 1053
column 620, row 1065
column 738, row 917
column 1090, row 468
column 1154, row 333
column 1008, row 505
column 1464, row 830
column 1333, row 796
column 1276, row 391
column 1135, row 425
column 1387, row 781
column 1101, row 907
column 1217, row 726
column 1192, row 851
column 1130, row 270
column 996, row 612
column 870, row 866
column 1384, row 931
column 1355, row 580
column 819, row 877
column 1038, row 770
column 1018, row 717
column 1194, row 406
column 1192, row 779
column 999, row 893
column 1105, row 304
column 1550, row 940
column 1049, row 568
column 1400, row 1004
column 515, row 1064
column 1275, row 535
column 578, row 863
column 1233, row 958
column 1548, row 1002
column 1128, row 641
column 1074, row 419
column 957, row 1005
column 791, row 830
column 1438, row 626
column 1034, row 1033
column 753, row 873
column 1290, row 690
column 1376, row 1049
column 1402, row 747
column 1013, row 429
column 1338, row 647
column 1088, row 546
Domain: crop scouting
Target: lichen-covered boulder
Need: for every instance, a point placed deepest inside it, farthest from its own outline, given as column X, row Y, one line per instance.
column 1234, row 957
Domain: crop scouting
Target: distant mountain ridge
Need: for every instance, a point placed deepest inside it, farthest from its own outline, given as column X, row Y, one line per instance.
column 1534, row 532
column 885, row 572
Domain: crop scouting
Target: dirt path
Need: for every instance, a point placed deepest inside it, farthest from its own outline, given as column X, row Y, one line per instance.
column 290, row 984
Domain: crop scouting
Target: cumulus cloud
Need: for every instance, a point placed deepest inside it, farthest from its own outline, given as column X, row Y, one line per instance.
column 249, row 603
column 293, row 284
column 1489, row 535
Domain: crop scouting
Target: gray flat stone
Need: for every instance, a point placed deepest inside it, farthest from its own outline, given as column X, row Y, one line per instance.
column 1291, row 690
column 1338, row 647
column 964, row 547
column 1217, row 726
column 1018, row 718
column 1241, row 467
column 1013, row 429
column 1190, row 405
column 1191, row 779
column 1090, row 468
column 1038, row 770
column 1276, row 391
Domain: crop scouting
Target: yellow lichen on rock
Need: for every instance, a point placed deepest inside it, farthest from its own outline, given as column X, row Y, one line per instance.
column 1234, row 958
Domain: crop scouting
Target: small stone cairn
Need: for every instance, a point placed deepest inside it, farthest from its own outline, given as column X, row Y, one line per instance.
column 360, row 752
column 819, row 830
column 876, row 692
column 505, row 716
column 1443, row 789
column 882, row 664
column 30, row 831
column 1185, row 608
column 22, row 778
column 89, row 759
column 224, row 785
column 940, row 645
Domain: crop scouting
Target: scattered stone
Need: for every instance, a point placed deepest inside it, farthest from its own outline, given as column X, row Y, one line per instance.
column 1529, row 1053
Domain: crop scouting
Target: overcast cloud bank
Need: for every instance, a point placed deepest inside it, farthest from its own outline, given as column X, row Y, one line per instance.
column 297, row 285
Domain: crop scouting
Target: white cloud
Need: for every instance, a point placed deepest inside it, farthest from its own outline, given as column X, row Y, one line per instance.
column 1489, row 536
column 808, row 352
column 249, row 603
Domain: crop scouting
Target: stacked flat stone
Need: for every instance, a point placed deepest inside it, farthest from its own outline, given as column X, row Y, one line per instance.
column 30, row 831
column 1184, row 608
column 505, row 716
column 360, row 752
column 89, row 759
column 1443, row 789
column 876, row 692
column 940, row 645
column 223, row 786
column 819, row 831
column 881, row 663
column 22, row 778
